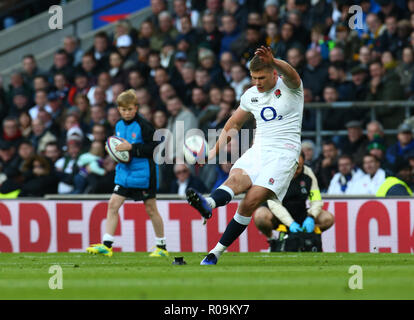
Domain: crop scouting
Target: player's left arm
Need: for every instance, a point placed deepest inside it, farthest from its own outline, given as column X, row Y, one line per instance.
column 315, row 198
column 288, row 74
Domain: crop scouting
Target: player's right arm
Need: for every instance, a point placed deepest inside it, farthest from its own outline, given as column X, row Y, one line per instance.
column 231, row 129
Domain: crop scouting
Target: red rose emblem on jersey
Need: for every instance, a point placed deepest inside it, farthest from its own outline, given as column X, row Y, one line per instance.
column 271, row 181
column 134, row 135
column 278, row 93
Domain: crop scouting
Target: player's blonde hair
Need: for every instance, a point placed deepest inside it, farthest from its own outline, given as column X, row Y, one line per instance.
column 257, row 64
column 127, row 98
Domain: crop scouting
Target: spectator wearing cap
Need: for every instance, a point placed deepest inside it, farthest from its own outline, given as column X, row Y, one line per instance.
column 344, row 180
column 359, row 76
column 355, row 143
column 126, row 48
column 373, row 178
column 398, row 152
column 209, row 33
column 180, row 58
column 378, row 148
column 230, row 32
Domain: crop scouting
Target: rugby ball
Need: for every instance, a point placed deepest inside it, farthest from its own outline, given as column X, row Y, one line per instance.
column 195, row 150
column 118, row 156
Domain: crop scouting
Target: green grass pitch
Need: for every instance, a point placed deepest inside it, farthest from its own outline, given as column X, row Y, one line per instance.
column 249, row 276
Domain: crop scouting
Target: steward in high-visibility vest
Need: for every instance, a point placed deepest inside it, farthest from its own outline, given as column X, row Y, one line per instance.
column 393, row 186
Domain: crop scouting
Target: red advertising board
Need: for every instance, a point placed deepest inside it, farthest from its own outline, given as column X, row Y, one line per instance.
column 61, row 226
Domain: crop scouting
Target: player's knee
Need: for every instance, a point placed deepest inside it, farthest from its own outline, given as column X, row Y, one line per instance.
column 151, row 209
column 113, row 206
column 261, row 217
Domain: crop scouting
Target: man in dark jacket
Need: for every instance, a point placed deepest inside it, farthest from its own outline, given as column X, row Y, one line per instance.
column 185, row 180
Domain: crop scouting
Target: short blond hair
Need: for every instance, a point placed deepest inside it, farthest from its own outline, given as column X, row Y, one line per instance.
column 257, row 64
column 127, row 98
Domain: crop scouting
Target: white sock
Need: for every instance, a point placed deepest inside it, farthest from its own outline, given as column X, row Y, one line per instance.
column 211, row 202
column 108, row 237
column 218, row 250
column 160, row 241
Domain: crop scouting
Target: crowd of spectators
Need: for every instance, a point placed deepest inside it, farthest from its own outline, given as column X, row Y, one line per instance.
column 189, row 61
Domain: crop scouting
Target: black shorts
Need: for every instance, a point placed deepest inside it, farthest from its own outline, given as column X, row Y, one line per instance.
column 134, row 193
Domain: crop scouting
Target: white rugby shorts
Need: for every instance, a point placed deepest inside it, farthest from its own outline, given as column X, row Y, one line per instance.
column 269, row 169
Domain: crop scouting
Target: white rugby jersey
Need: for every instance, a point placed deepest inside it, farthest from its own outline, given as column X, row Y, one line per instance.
column 278, row 113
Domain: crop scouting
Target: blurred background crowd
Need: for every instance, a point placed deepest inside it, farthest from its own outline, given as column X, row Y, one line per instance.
column 189, row 62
